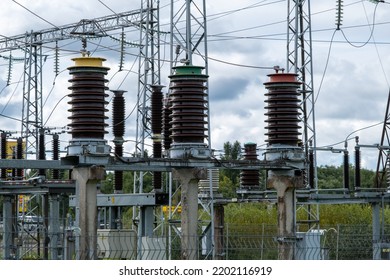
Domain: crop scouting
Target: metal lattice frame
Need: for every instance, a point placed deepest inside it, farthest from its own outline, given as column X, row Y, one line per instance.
column 299, row 61
column 188, row 46
column 32, row 43
column 383, row 163
column 32, row 93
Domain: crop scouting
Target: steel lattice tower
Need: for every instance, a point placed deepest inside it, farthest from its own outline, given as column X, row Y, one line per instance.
column 383, row 164
column 32, row 93
column 31, row 43
column 188, row 42
column 148, row 75
column 299, row 61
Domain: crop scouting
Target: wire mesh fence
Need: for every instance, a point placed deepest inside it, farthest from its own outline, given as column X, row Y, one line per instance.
column 238, row 242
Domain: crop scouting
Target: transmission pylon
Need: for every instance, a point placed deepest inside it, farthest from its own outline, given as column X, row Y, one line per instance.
column 148, row 75
column 188, row 45
column 32, row 93
column 299, row 61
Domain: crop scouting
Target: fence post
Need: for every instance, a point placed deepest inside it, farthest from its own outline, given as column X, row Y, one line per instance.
column 337, row 242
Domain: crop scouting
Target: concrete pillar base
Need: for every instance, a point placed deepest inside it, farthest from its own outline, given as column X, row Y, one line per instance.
column 86, row 209
column 189, row 178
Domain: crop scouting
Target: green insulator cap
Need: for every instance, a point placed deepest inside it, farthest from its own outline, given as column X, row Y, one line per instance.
column 188, row 70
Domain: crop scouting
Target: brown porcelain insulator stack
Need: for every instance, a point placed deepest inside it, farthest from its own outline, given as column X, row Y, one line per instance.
column 188, row 105
column 283, row 109
column 42, row 150
column 56, row 155
column 249, row 179
column 166, row 124
column 3, row 154
column 88, row 98
column 19, row 155
column 118, row 113
column 156, row 118
column 118, row 127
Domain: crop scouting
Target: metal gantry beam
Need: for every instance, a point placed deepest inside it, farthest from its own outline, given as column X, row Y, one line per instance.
column 32, row 44
column 97, row 27
column 189, row 33
column 299, row 61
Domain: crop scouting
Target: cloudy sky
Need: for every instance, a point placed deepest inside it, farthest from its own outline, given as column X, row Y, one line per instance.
column 246, row 39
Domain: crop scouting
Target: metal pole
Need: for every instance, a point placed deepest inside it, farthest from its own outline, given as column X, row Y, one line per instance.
column 189, row 212
column 376, row 232
column 54, row 226
column 7, row 227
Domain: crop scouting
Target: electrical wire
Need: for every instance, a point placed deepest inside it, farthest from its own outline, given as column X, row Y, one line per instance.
column 347, row 138
column 35, row 14
column 52, row 111
column 376, row 48
column 238, row 64
column 52, row 88
column 12, row 95
column 371, row 31
column 11, row 118
column 218, row 60
column 326, row 67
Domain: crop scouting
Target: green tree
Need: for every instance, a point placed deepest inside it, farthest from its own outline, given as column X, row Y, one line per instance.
column 230, row 178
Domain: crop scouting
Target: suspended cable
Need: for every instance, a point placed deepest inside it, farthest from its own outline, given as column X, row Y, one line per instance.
column 371, row 31
column 376, row 48
column 52, row 88
column 52, row 111
column 11, row 118
column 38, row 16
column 239, row 65
column 326, row 67
column 348, row 137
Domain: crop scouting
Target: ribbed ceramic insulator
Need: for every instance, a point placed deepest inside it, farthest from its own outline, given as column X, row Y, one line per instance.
column 56, row 154
column 88, row 99
column 19, row 155
column 118, row 113
column 156, row 108
column 3, row 154
column 283, row 109
column 188, row 105
column 166, row 126
column 250, row 178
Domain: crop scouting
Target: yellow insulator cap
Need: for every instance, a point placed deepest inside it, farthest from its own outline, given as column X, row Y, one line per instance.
column 87, row 61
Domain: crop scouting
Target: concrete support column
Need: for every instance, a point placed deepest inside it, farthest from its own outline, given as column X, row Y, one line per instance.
column 285, row 188
column 86, row 209
column 145, row 229
column 54, row 226
column 376, row 231
column 219, row 221
column 189, row 178
column 7, row 227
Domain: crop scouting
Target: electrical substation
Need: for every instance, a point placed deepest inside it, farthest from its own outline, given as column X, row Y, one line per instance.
column 182, row 216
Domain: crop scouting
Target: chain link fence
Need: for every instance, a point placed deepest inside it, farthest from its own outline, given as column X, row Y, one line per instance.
column 239, row 242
